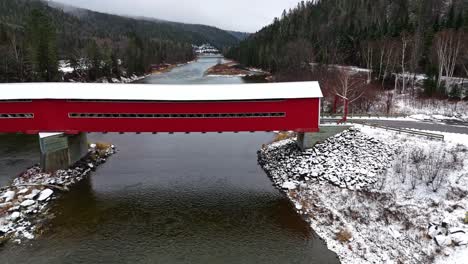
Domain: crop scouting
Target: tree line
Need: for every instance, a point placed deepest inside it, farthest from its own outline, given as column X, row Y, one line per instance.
column 396, row 39
column 35, row 37
column 31, row 53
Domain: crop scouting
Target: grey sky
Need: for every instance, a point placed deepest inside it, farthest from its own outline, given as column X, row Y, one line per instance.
column 239, row 15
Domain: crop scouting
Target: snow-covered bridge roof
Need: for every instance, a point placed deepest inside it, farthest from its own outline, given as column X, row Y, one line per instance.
column 156, row 92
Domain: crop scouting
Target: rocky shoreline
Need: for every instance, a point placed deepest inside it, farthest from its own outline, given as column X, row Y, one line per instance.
column 234, row 69
column 25, row 204
column 348, row 191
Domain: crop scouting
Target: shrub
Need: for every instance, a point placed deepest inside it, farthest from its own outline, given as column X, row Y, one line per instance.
column 344, row 236
column 418, row 156
column 401, row 167
column 383, row 180
column 414, row 179
column 435, row 170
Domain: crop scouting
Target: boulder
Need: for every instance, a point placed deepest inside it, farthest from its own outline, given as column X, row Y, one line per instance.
column 45, row 194
column 9, row 195
column 27, row 203
column 33, row 194
column 436, row 230
column 23, row 191
column 14, row 216
column 289, row 186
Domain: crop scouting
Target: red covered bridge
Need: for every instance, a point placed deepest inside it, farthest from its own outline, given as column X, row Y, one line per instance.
column 74, row 108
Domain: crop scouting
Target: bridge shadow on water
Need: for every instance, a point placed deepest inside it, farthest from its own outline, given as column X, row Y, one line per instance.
column 17, row 152
column 176, row 199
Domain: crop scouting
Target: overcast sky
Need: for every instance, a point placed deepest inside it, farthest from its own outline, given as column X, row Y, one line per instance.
column 239, row 15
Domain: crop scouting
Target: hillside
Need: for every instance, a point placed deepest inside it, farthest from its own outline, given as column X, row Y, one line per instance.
column 86, row 23
column 239, row 35
column 367, row 33
column 81, row 35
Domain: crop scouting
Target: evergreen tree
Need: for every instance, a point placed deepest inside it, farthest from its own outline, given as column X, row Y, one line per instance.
column 94, row 59
column 456, row 92
column 42, row 46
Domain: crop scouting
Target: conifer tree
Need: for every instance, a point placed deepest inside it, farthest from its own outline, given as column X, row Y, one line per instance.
column 42, row 47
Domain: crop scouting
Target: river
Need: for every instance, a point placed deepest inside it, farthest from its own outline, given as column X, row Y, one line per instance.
column 197, row 198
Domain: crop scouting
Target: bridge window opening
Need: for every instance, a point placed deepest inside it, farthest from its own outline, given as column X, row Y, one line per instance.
column 183, row 116
column 22, row 115
column 16, row 101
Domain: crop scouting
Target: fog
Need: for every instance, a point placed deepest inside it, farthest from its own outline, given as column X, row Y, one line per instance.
column 238, row 15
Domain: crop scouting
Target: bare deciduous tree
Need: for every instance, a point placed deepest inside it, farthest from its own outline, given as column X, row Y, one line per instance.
column 447, row 44
column 350, row 85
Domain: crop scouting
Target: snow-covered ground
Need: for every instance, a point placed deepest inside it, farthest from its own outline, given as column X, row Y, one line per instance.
column 64, row 66
column 437, row 110
column 373, row 194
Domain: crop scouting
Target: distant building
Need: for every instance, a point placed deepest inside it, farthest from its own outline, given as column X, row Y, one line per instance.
column 205, row 49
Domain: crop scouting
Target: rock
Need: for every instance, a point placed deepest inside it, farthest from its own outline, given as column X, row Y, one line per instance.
column 298, row 206
column 436, row 230
column 443, row 241
column 23, row 191
column 5, row 205
column 28, row 235
column 14, row 208
column 33, row 194
column 288, row 185
column 14, row 216
column 9, row 195
column 4, row 229
column 45, row 194
column 27, row 203
column 92, row 145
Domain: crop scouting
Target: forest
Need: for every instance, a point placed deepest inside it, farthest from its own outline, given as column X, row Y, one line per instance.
column 35, row 35
column 397, row 40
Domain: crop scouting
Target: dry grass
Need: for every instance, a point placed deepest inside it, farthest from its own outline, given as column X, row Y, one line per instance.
column 282, row 136
column 343, row 236
column 103, row 146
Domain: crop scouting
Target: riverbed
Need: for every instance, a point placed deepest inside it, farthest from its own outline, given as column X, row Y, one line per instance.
column 197, row 198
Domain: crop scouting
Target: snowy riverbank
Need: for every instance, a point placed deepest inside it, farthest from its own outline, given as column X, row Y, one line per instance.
column 379, row 197
column 25, row 203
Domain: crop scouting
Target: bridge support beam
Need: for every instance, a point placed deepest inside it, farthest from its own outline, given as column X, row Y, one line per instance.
column 59, row 151
column 309, row 140
column 306, row 140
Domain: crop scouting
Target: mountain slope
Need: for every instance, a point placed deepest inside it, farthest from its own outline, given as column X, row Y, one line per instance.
column 84, row 24
column 239, row 35
column 355, row 33
column 155, row 28
column 36, row 34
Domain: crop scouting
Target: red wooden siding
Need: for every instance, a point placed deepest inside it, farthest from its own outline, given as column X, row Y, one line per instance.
column 301, row 115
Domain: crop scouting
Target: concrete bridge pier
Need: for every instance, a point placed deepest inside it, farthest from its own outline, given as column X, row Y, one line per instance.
column 309, row 140
column 60, row 151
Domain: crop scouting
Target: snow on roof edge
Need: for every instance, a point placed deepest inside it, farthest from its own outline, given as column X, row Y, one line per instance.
column 157, row 92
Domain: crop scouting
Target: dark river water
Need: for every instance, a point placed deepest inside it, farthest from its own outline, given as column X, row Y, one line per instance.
column 197, row 198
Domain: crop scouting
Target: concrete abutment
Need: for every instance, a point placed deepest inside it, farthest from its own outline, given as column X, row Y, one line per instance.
column 60, row 151
column 309, row 140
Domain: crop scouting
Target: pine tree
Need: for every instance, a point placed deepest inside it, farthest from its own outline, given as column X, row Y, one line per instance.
column 42, row 48
column 94, row 59
column 456, row 92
